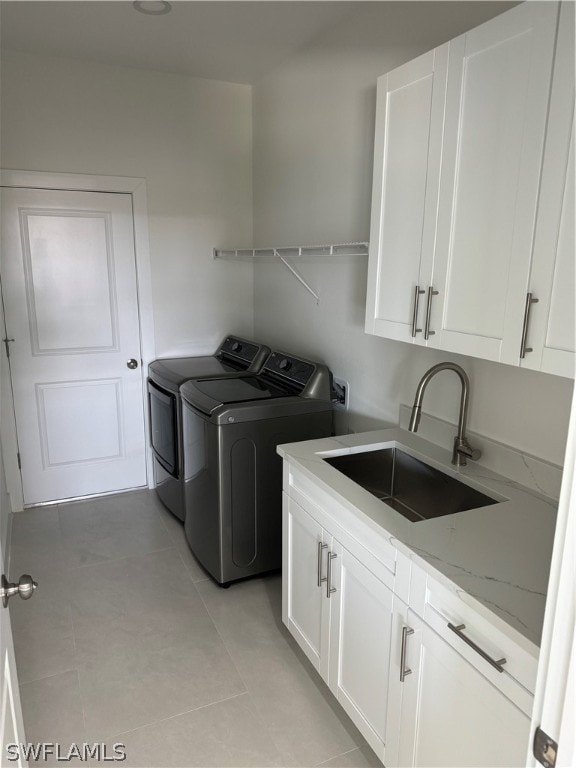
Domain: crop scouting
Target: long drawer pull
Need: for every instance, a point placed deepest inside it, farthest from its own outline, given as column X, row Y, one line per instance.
column 406, row 631
column 320, row 548
column 458, row 630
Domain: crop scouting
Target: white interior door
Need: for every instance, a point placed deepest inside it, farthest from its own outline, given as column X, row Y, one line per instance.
column 71, row 307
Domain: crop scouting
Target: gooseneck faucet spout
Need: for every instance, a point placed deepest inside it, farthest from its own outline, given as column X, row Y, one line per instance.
column 462, row 448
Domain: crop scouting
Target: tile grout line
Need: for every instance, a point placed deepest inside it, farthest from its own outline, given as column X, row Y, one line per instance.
column 172, row 546
column 342, row 754
column 257, row 714
column 71, row 616
column 246, row 692
column 47, row 677
column 178, row 714
column 169, row 533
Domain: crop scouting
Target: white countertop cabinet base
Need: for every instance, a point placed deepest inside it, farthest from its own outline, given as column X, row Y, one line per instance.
column 346, row 635
column 451, row 716
column 374, row 619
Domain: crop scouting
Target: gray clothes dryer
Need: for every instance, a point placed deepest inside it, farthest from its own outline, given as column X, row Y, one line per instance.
column 232, row 473
column 234, row 357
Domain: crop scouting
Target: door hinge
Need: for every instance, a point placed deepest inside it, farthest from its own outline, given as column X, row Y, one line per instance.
column 19, row 461
column 6, row 344
column 545, row 749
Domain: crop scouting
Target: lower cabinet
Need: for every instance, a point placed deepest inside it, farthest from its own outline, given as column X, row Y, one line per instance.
column 413, row 674
column 449, row 713
column 340, row 613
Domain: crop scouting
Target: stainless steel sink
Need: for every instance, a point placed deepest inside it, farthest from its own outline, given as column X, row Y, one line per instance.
column 411, row 487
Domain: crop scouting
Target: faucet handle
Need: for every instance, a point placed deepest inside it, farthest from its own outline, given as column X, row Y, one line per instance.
column 463, row 451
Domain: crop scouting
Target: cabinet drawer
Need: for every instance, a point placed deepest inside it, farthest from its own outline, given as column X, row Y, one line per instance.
column 478, row 640
column 372, row 549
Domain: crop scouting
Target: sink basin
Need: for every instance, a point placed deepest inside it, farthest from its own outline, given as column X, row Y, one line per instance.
column 411, row 487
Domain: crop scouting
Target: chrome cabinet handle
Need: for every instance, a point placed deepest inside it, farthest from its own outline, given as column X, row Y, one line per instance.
column 523, row 348
column 406, row 631
column 320, row 548
column 329, row 588
column 427, row 331
column 458, row 630
column 417, row 293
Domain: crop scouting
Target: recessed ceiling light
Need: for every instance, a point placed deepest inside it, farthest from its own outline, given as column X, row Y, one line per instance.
column 152, row 7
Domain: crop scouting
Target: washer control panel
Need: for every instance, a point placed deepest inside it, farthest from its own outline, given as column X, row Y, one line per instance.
column 291, row 368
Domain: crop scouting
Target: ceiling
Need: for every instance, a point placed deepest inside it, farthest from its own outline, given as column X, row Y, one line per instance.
column 234, row 41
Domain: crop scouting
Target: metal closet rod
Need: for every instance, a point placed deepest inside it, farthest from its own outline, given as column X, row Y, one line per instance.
column 284, row 253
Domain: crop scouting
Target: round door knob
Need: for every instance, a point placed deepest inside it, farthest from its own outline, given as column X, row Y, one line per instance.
column 25, row 588
column 132, row 363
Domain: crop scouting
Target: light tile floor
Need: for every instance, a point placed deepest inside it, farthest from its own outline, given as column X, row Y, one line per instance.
column 127, row 640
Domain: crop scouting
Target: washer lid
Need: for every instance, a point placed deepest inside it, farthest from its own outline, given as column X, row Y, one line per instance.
column 228, row 391
column 171, row 373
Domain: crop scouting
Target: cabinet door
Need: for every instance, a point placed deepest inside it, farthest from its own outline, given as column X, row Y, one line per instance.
column 451, row 715
column 496, row 107
column 550, row 333
column 361, row 631
column 407, row 151
column 304, row 612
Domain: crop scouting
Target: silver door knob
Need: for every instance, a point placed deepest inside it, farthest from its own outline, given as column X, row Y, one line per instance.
column 25, row 588
column 132, row 363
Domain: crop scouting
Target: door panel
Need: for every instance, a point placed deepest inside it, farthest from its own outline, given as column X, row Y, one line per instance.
column 561, row 323
column 69, row 286
column 361, row 627
column 410, row 114
column 450, row 712
column 552, row 327
column 61, row 250
column 303, row 609
column 497, row 95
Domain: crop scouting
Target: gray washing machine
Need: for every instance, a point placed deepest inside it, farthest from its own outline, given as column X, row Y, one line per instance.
column 232, row 473
column 234, row 357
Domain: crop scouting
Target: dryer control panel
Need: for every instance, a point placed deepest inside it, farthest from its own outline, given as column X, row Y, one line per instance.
column 307, row 378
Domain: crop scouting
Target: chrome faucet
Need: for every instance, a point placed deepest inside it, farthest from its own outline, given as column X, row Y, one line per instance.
column 462, row 448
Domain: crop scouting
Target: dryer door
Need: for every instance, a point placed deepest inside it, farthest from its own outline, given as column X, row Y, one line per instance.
column 163, row 427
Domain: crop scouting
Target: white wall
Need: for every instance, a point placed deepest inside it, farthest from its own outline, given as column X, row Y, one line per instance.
column 190, row 138
column 313, row 138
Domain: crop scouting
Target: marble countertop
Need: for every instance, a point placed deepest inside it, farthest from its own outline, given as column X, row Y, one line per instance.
column 497, row 558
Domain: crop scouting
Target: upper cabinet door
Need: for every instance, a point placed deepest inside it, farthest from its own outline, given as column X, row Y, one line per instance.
column 549, row 342
column 496, row 106
column 407, row 152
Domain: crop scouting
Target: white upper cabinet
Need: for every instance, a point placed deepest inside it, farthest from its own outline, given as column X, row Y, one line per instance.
column 458, row 211
column 496, row 106
column 407, row 151
column 549, row 342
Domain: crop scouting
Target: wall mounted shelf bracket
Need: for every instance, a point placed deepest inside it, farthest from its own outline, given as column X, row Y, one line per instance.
column 293, row 252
